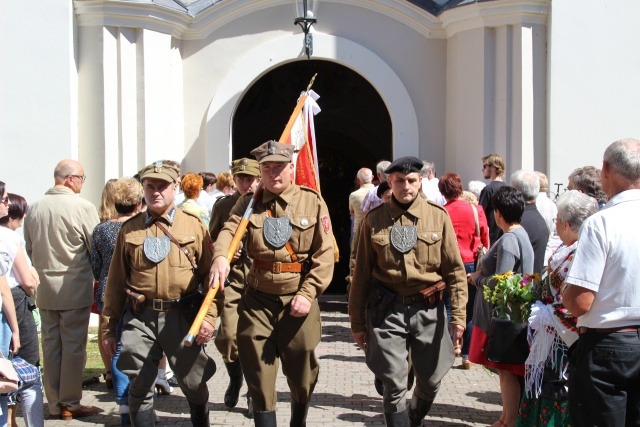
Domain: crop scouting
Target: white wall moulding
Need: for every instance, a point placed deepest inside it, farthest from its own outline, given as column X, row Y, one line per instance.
column 343, row 51
column 495, row 14
column 122, row 13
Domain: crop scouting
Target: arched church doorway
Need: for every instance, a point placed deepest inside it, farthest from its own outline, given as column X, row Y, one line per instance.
column 353, row 130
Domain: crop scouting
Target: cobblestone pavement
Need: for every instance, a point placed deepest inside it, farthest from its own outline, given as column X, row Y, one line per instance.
column 345, row 394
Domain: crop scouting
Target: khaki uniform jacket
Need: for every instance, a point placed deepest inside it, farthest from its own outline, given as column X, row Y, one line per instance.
column 219, row 215
column 434, row 257
column 311, row 240
column 57, row 233
column 171, row 278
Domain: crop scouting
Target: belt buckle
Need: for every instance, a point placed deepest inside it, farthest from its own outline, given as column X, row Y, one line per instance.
column 409, row 299
column 157, row 305
column 277, row 267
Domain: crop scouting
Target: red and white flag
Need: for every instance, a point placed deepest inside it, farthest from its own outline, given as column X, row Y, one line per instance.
column 303, row 138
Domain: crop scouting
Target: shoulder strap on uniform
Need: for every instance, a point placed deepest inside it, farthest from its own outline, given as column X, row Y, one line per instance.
column 182, row 248
column 293, row 255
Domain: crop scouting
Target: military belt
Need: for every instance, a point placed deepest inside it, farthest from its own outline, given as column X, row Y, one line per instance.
column 279, row 267
column 162, row 305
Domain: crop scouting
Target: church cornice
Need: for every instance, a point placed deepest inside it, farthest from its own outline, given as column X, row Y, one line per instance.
column 494, row 14
column 201, row 18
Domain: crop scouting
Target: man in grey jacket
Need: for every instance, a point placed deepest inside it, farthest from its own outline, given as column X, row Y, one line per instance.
column 57, row 231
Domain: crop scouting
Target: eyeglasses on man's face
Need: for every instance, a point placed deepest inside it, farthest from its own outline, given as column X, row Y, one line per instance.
column 486, row 166
column 82, row 178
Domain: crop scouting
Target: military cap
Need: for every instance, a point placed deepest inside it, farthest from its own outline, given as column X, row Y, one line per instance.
column 273, row 151
column 160, row 170
column 407, row 164
column 245, row 166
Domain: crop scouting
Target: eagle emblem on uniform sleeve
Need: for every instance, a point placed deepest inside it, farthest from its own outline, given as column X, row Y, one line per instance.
column 326, row 223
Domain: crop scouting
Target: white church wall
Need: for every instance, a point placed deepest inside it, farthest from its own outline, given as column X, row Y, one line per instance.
column 131, row 101
column 38, row 94
column 594, row 89
column 496, row 92
column 268, row 38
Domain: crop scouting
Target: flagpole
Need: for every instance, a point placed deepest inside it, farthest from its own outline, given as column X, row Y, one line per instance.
column 242, row 228
column 296, row 111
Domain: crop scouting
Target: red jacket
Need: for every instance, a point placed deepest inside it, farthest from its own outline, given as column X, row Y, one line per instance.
column 461, row 214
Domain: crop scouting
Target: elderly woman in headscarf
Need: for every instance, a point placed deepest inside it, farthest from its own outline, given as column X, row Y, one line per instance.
column 552, row 327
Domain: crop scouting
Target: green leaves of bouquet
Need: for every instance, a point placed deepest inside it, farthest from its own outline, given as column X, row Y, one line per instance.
column 512, row 295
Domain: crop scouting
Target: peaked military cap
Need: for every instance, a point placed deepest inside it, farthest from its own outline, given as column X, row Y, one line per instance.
column 407, row 164
column 273, row 151
column 245, row 166
column 160, row 170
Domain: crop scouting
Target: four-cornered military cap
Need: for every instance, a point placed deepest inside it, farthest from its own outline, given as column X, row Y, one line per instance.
column 245, row 166
column 160, row 170
column 405, row 165
column 273, row 151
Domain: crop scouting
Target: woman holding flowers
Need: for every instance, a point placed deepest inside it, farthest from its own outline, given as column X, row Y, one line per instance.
column 553, row 328
column 511, row 253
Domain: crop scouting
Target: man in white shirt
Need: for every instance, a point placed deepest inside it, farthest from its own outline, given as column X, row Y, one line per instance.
column 430, row 183
column 371, row 200
column 602, row 290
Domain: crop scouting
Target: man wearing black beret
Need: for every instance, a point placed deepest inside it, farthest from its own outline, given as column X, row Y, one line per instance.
column 407, row 254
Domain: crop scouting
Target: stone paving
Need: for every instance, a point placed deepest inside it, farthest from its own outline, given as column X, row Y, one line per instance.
column 345, row 394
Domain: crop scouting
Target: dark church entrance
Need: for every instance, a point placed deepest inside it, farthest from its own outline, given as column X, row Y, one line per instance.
column 353, row 130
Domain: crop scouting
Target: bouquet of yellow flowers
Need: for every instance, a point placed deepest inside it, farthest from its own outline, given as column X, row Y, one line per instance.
column 513, row 295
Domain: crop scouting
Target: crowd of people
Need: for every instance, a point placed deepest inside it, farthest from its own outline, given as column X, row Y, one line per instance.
column 164, row 255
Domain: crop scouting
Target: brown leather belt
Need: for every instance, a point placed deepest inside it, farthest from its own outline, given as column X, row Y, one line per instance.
column 410, row 299
column 585, row 330
column 278, row 267
column 162, row 305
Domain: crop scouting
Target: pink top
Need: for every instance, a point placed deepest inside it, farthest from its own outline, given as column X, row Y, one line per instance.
column 461, row 214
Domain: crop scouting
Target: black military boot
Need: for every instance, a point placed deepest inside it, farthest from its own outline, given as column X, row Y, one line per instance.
column 417, row 410
column 265, row 419
column 249, row 406
column 199, row 414
column 144, row 418
column 396, row 419
column 379, row 385
column 232, row 394
column 299, row 413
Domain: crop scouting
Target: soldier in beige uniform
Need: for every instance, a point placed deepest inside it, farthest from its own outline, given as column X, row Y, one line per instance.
column 406, row 246
column 156, row 284
column 246, row 175
column 290, row 242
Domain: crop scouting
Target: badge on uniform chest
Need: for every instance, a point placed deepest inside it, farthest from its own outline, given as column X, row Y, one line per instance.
column 404, row 237
column 277, row 231
column 156, row 248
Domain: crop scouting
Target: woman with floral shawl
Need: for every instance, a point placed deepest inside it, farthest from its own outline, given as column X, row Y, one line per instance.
column 552, row 328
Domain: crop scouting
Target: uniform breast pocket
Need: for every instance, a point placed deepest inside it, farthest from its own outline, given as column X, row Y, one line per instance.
column 428, row 247
column 135, row 247
column 303, row 229
column 254, row 231
column 388, row 256
column 177, row 257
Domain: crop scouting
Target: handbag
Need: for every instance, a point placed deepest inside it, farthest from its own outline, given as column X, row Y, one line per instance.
column 507, row 342
column 481, row 250
column 8, row 376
